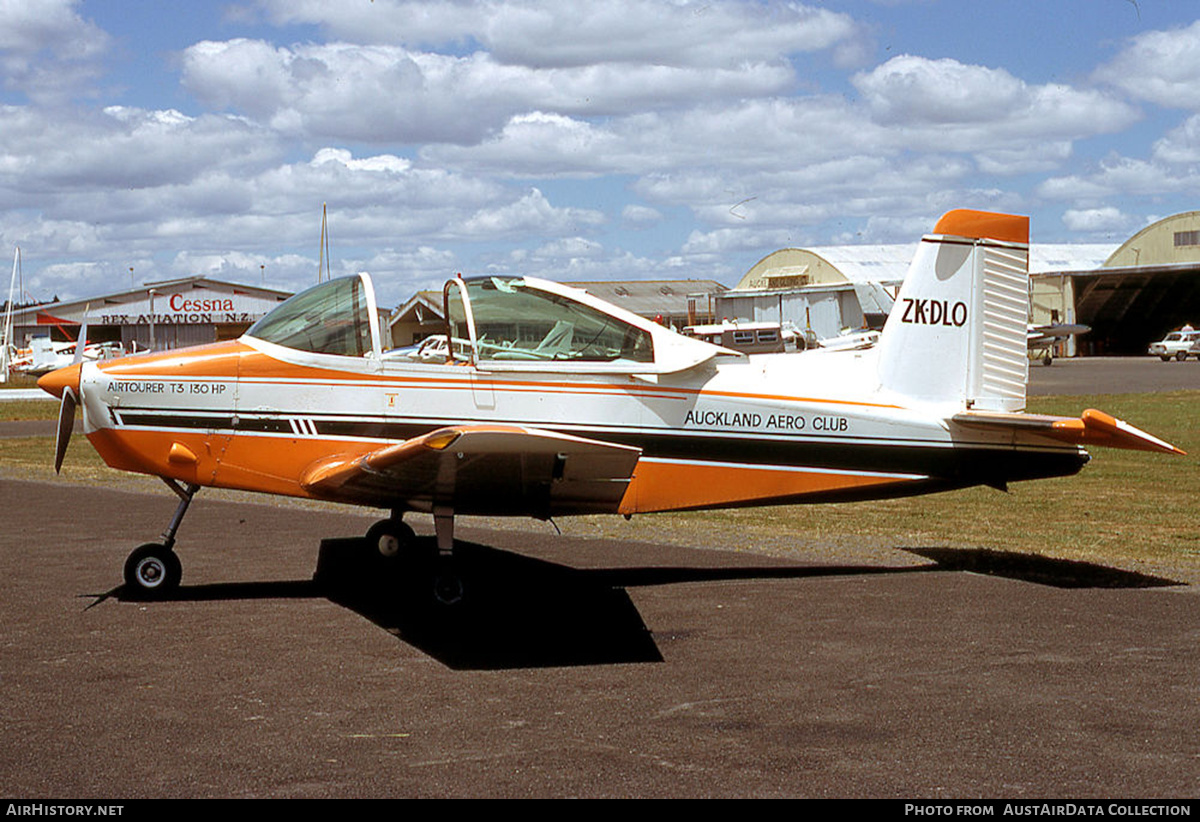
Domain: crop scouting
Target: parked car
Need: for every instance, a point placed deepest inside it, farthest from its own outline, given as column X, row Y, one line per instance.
column 431, row 349
column 1177, row 345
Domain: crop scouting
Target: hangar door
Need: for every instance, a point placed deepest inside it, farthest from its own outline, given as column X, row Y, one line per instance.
column 1130, row 309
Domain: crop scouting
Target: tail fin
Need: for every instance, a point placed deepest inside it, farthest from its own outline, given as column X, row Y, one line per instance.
column 957, row 331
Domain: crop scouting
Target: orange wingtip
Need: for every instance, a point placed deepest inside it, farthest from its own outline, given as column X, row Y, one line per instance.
column 1098, row 428
column 1009, row 228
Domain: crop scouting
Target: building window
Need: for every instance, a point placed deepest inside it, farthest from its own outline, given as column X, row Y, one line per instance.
column 1183, row 238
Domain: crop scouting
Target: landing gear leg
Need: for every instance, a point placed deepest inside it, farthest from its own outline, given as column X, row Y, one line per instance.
column 154, row 570
column 185, row 495
column 447, row 585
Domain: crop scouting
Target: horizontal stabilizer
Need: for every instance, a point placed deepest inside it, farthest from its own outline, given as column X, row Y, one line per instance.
column 1091, row 428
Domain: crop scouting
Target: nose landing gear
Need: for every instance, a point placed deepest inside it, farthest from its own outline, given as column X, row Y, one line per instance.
column 153, row 570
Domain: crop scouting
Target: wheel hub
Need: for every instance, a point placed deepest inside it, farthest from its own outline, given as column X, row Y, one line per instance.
column 150, row 572
column 389, row 545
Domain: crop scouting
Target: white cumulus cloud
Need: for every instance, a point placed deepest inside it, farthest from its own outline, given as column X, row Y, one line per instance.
column 1108, row 218
column 1159, row 66
column 47, row 50
column 548, row 34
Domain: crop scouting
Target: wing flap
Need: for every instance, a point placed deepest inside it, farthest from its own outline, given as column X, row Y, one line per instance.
column 482, row 469
column 1093, row 427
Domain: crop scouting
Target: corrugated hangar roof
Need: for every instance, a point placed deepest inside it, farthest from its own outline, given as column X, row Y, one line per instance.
column 1050, row 258
column 869, row 263
column 889, row 263
column 647, row 298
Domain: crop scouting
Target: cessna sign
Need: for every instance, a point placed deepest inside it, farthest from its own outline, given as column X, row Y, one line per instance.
column 179, row 302
column 188, row 308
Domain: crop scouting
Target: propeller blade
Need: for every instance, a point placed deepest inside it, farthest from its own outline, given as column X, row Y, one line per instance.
column 66, row 422
column 80, row 342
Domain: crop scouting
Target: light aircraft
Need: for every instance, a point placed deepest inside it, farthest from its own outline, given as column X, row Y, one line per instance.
column 1041, row 338
column 748, row 337
column 850, row 339
column 765, row 337
column 46, row 356
column 560, row 403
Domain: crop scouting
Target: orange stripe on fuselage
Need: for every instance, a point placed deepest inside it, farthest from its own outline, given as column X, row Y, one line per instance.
column 663, row 486
column 236, row 360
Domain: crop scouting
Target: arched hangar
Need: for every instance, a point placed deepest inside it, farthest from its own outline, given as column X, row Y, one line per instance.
column 1147, row 287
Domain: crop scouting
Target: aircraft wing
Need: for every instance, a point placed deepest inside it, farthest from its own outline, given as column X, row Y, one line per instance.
column 1042, row 335
column 482, row 469
column 1091, row 428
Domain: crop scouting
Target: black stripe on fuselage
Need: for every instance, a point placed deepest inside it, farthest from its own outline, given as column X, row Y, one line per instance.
column 960, row 463
column 215, row 422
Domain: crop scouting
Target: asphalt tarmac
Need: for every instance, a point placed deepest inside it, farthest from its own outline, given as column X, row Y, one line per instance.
column 1113, row 375
column 575, row 667
column 292, row 663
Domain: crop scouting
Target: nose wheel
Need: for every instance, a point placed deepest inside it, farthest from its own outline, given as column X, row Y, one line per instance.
column 152, row 570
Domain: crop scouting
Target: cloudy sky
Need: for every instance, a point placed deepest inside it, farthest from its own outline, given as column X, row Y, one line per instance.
column 620, row 139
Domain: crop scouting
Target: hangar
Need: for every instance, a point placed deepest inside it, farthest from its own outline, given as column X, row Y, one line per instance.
column 1130, row 295
column 820, row 291
column 1148, row 286
column 166, row 314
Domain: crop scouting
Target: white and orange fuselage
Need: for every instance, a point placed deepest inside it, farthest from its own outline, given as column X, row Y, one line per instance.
column 254, row 416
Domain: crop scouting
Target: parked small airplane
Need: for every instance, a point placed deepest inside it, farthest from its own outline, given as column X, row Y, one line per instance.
column 1041, row 338
column 558, row 403
column 46, row 356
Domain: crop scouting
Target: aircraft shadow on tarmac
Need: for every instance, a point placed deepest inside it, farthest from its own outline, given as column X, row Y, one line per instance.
column 517, row 612
column 521, row 612
column 1059, row 573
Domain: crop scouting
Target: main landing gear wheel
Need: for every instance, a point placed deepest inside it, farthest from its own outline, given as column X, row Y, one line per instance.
column 152, row 571
column 447, row 584
column 391, row 537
